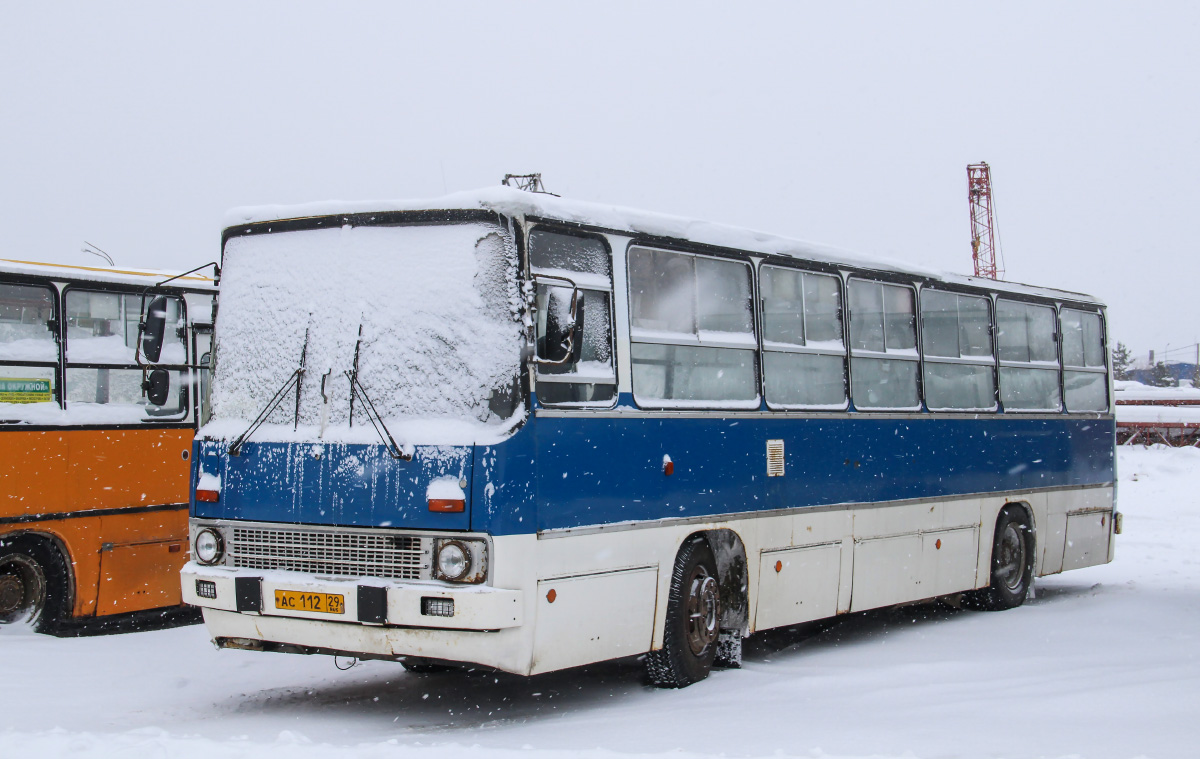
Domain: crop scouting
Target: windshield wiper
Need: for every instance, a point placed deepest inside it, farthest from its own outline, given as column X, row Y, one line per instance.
column 296, row 378
column 357, row 390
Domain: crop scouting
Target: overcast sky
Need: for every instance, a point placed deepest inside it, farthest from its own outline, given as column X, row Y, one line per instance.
column 136, row 126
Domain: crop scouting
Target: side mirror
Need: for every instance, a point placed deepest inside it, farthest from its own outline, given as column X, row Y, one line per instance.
column 155, row 329
column 563, row 341
column 158, row 387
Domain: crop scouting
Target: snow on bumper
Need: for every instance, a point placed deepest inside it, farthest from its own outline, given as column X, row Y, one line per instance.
column 365, row 601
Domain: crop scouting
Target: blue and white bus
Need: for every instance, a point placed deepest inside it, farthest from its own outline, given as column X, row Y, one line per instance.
column 507, row 429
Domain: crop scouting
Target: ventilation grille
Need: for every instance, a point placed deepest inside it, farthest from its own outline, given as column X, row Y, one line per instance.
column 774, row 458
column 329, row 552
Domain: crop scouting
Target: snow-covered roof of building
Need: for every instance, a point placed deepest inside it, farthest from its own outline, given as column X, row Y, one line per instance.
column 512, row 202
column 121, row 275
column 1130, row 390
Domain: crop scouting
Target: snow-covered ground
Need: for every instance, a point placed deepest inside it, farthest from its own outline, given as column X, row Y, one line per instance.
column 1102, row 663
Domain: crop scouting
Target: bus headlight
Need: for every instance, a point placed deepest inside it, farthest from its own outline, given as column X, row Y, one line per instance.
column 208, row 547
column 453, row 560
column 461, row 560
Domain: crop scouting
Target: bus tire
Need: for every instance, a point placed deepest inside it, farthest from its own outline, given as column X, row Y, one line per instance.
column 1012, row 564
column 693, row 621
column 33, row 583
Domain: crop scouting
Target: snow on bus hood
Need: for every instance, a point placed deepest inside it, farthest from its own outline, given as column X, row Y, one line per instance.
column 438, row 308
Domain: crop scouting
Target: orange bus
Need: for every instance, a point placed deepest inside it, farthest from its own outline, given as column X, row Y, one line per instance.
column 103, row 380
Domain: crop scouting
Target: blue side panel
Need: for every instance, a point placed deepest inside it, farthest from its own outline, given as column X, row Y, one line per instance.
column 600, row 470
column 571, row 472
column 332, row 483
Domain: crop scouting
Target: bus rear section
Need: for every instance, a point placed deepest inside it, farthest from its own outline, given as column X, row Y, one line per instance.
column 532, row 434
column 93, row 521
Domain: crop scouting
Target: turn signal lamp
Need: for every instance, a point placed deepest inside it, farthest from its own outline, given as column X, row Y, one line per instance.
column 208, row 496
column 441, row 505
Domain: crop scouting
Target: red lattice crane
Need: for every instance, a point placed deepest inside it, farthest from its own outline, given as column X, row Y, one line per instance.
column 983, row 235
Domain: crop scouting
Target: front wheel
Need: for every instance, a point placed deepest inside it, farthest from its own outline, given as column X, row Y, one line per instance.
column 1012, row 564
column 693, row 621
column 32, row 578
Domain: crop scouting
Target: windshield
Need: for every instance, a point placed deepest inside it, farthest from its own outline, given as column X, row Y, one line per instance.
column 438, row 311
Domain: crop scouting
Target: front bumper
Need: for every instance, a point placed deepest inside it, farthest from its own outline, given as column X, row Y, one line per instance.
column 367, row 601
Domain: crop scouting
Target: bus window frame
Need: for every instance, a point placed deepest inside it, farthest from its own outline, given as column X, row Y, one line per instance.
column 188, row 414
column 802, row 267
column 1001, row 364
column 57, row 304
column 994, row 362
column 527, row 264
column 1105, row 369
column 198, row 403
column 718, row 254
column 895, row 281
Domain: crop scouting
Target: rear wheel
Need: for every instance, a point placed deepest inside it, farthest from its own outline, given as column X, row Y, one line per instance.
column 693, row 621
column 32, row 583
column 1012, row 564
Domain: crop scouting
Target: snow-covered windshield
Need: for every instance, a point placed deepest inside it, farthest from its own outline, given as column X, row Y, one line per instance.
column 438, row 310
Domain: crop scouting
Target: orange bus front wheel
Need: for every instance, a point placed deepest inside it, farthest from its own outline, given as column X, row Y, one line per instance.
column 33, row 582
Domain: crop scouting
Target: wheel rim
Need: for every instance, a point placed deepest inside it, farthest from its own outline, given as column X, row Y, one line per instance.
column 1010, row 561
column 703, row 611
column 22, row 589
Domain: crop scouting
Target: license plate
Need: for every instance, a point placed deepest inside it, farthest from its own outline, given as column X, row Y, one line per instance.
column 325, row 603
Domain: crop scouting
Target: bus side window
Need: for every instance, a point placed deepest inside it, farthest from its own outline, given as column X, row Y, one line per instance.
column 692, row 331
column 28, row 351
column 804, row 356
column 203, row 352
column 592, row 379
column 883, row 344
column 960, row 371
column 1083, row 361
column 1028, row 357
column 102, row 374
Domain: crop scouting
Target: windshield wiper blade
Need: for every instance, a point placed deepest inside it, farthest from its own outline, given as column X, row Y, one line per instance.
column 357, row 390
column 296, row 378
column 300, row 380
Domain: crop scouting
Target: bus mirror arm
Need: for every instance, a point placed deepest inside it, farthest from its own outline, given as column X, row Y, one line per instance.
column 153, row 329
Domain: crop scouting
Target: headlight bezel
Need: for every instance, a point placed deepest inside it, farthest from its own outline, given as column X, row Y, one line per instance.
column 475, row 554
column 218, row 546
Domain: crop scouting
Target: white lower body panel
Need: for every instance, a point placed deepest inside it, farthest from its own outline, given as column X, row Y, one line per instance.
column 572, row 597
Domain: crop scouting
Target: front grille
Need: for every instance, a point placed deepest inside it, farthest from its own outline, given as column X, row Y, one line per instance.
column 343, row 553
